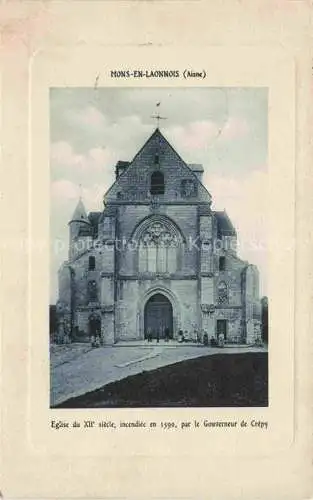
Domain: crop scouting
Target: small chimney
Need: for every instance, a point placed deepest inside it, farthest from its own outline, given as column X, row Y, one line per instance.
column 197, row 168
column 120, row 167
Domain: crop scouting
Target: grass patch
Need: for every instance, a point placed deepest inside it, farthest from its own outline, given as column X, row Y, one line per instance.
column 221, row 380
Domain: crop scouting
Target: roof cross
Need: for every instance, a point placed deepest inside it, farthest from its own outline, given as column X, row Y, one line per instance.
column 157, row 116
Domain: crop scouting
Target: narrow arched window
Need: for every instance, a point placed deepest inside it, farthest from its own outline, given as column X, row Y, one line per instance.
column 222, row 263
column 222, row 293
column 157, row 183
column 92, row 263
column 92, row 291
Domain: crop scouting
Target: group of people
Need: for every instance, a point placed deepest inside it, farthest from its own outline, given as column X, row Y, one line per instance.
column 201, row 338
column 95, row 340
column 150, row 335
column 184, row 337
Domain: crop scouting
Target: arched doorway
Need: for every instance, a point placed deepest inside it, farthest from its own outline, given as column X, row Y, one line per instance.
column 94, row 326
column 158, row 317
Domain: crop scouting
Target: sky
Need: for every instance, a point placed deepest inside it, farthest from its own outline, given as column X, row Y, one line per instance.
column 224, row 129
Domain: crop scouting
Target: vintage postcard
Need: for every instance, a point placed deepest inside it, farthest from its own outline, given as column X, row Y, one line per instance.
column 161, row 252
column 164, row 252
column 150, row 274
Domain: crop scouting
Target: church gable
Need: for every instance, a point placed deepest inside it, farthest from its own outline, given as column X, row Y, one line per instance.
column 157, row 169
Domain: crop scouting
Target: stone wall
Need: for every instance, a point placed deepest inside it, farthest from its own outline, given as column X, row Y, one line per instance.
column 233, row 316
column 122, row 291
column 65, row 285
column 134, row 183
column 134, row 294
column 252, row 304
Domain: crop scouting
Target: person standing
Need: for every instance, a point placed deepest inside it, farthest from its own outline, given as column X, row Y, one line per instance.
column 150, row 334
column 221, row 340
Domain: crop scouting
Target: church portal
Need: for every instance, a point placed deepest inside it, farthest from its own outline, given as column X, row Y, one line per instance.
column 158, row 317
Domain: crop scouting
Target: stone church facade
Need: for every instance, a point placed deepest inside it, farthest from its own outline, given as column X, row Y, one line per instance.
column 157, row 259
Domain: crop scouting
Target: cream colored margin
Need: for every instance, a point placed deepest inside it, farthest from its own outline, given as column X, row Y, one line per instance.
column 39, row 461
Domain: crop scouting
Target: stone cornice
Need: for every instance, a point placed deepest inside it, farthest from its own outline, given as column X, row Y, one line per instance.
column 161, row 203
column 103, row 274
column 157, row 277
column 228, row 307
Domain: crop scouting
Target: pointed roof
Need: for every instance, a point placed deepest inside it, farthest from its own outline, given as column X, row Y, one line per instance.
column 80, row 214
column 156, row 133
column 160, row 138
column 224, row 224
